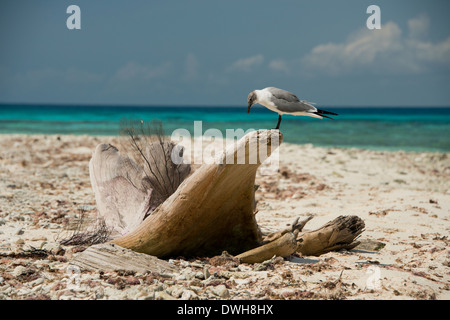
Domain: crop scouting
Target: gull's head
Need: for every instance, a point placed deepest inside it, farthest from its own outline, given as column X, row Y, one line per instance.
column 251, row 100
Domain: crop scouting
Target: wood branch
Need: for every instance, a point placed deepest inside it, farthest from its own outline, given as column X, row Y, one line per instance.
column 296, row 227
column 340, row 233
column 212, row 210
column 110, row 257
column 337, row 234
column 283, row 246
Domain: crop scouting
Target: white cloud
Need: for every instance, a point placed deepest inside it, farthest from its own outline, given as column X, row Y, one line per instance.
column 247, row 64
column 279, row 65
column 381, row 51
column 418, row 27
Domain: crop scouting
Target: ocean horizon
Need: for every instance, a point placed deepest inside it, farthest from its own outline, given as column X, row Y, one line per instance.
column 420, row 129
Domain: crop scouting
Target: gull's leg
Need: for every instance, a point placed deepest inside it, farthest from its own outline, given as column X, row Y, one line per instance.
column 279, row 121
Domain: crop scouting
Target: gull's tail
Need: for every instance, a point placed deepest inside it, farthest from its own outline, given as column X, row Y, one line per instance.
column 323, row 113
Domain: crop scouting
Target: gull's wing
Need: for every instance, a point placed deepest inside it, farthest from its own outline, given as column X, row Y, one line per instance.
column 288, row 102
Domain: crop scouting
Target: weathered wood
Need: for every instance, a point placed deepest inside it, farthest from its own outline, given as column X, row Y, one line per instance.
column 284, row 246
column 153, row 155
column 296, row 227
column 111, row 257
column 121, row 203
column 212, row 210
column 340, row 233
column 126, row 192
column 337, row 234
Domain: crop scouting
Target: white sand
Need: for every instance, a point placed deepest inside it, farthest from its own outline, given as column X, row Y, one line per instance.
column 403, row 198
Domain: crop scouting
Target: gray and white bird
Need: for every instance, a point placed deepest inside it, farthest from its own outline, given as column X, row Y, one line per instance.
column 285, row 102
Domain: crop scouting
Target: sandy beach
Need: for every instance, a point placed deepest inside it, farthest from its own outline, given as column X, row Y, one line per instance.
column 403, row 198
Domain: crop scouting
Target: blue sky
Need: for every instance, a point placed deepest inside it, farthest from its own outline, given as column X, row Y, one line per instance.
column 216, row 52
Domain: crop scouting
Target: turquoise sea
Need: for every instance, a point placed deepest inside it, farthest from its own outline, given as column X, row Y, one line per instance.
column 409, row 129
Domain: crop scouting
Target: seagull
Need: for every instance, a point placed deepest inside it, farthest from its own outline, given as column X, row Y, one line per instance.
column 284, row 102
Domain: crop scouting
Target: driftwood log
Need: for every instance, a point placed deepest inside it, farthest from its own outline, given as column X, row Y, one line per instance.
column 340, row 233
column 211, row 211
column 109, row 257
